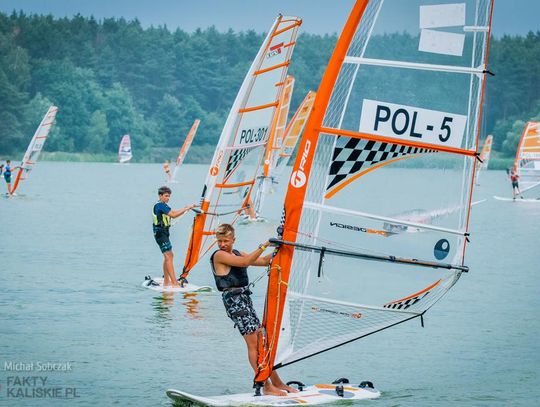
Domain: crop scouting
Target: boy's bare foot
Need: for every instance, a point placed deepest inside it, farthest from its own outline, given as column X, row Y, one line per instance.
column 270, row 390
column 288, row 389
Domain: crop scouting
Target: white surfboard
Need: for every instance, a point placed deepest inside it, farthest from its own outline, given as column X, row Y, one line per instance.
column 501, row 198
column 311, row 395
column 156, row 284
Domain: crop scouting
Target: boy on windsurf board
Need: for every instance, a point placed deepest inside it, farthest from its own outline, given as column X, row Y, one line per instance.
column 161, row 215
column 229, row 267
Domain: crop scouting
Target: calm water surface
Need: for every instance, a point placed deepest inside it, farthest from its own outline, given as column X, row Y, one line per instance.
column 77, row 242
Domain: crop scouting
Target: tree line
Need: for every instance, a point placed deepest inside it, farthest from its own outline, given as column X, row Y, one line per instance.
column 113, row 77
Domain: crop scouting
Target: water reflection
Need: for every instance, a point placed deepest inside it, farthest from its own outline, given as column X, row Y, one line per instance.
column 164, row 303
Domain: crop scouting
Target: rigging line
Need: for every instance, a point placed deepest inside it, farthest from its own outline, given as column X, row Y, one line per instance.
column 392, row 259
column 199, row 212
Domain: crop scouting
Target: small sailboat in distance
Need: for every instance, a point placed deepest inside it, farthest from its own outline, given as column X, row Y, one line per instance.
column 527, row 164
column 124, row 150
column 34, row 148
column 185, row 147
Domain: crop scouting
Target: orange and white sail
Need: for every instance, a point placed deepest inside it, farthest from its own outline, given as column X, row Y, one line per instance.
column 241, row 147
column 382, row 112
column 293, row 132
column 124, row 149
column 34, row 148
column 185, row 147
column 275, row 138
column 527, row 162
column 484, row 156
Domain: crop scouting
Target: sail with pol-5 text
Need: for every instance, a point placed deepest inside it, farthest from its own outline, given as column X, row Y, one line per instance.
column 237, row 160
column 34, row 148
column 394, row 127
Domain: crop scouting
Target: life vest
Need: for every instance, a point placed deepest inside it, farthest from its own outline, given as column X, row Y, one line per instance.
column 237, row 276
column 160, row 221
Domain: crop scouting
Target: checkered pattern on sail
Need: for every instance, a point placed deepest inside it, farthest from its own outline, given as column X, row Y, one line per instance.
column 235, row 159
column 404, row 304
column 352, row 156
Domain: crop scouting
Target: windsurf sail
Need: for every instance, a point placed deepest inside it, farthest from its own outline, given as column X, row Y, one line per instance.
column 34, row 148
column 484, row 157
column 186, row 146
column 527, row 162
column 293, row 132
column 394, row 127
column 266, row 179
column 124, row 150
column 241, row 146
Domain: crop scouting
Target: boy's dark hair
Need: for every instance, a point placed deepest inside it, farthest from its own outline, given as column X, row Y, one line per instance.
column 164, row 190
column 8, row 161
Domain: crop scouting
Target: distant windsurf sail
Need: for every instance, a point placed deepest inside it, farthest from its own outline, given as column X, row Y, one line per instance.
column 185, row 146
column 241, row 146
column 527, row 162
column 384, row 112
column 34, row 148
column 124, row 150
column 484, row 157
column 293, row 132
column 275, row 138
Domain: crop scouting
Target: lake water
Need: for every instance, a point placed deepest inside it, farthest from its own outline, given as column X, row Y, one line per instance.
column 77, row 242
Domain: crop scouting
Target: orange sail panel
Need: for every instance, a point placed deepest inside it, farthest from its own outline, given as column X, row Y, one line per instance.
column 240, row 150
column 527, row 162
column 185, row 147
column 293, row 132
column 394, row 128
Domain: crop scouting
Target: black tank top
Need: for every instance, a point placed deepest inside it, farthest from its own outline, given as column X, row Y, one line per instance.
column 237, row 277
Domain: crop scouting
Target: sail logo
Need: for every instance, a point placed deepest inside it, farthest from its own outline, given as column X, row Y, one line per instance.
column 298, row 177
column 354, row 315
column 434, row 17
column 274, row 50
column 215, row 169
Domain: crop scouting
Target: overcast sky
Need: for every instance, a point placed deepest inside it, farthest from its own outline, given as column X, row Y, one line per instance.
column 320, row 16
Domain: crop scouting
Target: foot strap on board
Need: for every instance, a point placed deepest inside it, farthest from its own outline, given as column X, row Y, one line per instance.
column 300, row 385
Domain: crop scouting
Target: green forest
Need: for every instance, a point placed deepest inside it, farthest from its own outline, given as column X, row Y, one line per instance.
column 113, row 77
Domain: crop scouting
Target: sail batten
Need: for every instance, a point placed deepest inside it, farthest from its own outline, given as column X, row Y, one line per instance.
column 333, row 209
column 412, row 65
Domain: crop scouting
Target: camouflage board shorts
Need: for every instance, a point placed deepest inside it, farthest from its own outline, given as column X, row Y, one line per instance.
column 240, row 310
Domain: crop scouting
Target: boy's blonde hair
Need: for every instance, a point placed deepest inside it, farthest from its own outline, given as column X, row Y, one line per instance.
column 225, row 230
